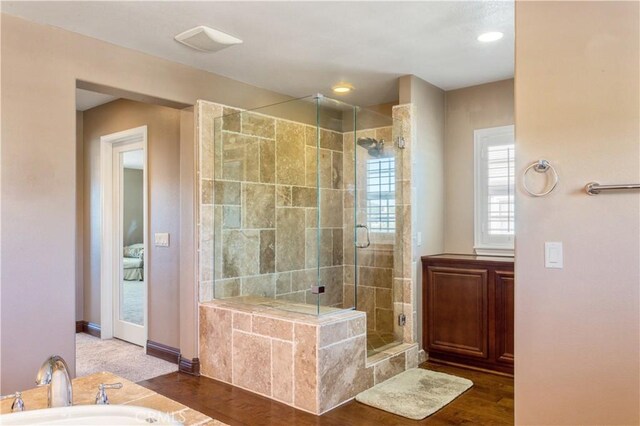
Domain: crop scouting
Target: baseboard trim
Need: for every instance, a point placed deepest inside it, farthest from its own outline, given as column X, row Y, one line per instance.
column 189, row 366
column 164, row 352
column 89, row 328
column 155, row 349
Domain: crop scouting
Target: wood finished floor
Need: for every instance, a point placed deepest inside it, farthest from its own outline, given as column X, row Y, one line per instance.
column 488, row 402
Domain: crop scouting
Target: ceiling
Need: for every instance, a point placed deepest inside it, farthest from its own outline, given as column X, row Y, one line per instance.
column 86, row 99
column 301, row 48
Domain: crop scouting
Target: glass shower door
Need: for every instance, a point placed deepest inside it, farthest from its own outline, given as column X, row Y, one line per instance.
column 377, row 216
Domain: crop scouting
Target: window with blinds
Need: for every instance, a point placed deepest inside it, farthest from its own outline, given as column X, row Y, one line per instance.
column 500, row 184
column 381, row 194
column 494, row 189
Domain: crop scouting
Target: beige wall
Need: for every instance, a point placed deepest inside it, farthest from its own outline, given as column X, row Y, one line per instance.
column 427, row 169
column 385, row 109
column 40, row 67
column 79, row 245
column 577, row 105
column 163, row 160
column 132, row 207
column 468, row 109
column 188, row 229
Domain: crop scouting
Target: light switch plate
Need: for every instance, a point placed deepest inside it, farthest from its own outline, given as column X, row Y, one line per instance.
column 553, row 256
column 161, row 239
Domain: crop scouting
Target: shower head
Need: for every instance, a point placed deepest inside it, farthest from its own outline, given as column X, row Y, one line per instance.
column 373, row 146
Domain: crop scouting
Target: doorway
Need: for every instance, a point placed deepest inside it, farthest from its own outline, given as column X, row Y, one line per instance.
column 129, row 160
column 124, row 282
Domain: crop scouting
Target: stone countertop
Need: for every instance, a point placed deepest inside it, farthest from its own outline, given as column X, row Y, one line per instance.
column 85, row 389
column 471, row 257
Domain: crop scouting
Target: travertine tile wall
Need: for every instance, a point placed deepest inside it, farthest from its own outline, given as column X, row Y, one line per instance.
column 259, row 207
column 311, row 363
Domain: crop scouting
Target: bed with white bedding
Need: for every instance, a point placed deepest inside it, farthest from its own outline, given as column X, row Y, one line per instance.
column 133, row 263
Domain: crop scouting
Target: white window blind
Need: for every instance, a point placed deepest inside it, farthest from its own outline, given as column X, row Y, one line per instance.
column 500, row 184
column 494, row 189
column 381, row 194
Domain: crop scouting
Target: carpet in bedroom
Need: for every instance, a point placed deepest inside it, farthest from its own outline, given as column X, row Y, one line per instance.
column 94, row 355
column 132, row 306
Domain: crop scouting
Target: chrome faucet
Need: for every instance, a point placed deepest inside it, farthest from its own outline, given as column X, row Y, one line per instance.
column 18, row 403
column 54, row 374
column 101, row 397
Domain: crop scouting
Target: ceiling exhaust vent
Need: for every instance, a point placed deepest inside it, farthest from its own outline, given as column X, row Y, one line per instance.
column 206, row 39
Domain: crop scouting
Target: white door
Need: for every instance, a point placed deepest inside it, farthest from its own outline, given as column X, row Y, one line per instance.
column 129, row 238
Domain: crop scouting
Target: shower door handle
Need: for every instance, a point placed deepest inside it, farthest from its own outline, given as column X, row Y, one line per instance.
column 368, row 243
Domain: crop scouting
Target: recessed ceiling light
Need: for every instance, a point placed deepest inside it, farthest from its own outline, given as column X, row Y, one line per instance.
column 342, row 88
column 206, row 39
column 490, row 36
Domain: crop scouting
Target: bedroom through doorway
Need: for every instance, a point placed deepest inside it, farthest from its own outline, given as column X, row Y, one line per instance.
column 129, row 293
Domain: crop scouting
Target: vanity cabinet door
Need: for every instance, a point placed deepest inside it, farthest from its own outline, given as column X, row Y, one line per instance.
column 468, row 311
column 457, row 311
column 505, row 287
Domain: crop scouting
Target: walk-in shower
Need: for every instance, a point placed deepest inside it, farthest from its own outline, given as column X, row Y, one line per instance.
column 304, row 209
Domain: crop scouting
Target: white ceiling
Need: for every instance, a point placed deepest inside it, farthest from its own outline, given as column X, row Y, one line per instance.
column 301, row 48
column 86, row 99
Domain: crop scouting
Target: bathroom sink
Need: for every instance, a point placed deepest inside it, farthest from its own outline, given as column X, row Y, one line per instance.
column 90, row 415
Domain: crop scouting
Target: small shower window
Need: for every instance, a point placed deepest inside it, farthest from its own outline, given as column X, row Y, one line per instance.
column 381, row 194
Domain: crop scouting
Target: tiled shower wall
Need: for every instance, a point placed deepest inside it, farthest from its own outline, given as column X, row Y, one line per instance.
column 262, row 193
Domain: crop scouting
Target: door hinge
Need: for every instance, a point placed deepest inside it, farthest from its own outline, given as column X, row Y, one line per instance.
column 402, row 320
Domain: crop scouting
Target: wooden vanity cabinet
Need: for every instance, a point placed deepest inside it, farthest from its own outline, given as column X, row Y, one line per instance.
column 468, row 311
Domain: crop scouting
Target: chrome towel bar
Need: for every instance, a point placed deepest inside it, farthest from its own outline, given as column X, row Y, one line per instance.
column 594, row 188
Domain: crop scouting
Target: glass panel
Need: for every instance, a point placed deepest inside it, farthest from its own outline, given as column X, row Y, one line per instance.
column 264, row 201
column 132, row 216
column 377, row 218
column 333, row 162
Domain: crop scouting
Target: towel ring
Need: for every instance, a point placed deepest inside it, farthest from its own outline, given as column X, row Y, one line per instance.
column 540, row 166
